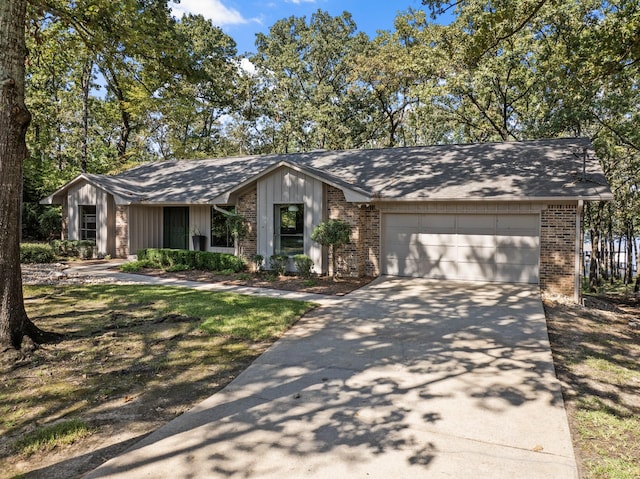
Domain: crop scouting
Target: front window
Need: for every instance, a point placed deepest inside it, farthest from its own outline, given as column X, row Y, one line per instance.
column 88, row 225
column 220, row 235
column 289, row 229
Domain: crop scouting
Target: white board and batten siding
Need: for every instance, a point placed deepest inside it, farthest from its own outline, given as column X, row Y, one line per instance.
column 498, row 245
column 85, row 194
column 287, row 186
column 145, row 227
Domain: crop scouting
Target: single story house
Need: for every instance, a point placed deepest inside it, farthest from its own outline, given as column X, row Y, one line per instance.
column 502, row 212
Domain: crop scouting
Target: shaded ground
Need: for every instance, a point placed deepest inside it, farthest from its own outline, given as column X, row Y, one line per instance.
column 596, row 350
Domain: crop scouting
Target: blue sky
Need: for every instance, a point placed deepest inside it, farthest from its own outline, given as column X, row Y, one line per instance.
column 242, row 19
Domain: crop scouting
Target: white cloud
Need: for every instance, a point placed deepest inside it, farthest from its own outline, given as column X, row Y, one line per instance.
column 247, row 67
column 298, row 2
column 211, row 9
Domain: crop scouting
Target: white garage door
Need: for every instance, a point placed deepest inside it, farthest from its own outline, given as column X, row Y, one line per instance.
column 502, row 248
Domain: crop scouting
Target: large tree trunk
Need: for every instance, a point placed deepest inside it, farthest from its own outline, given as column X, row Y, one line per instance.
column 14, row 120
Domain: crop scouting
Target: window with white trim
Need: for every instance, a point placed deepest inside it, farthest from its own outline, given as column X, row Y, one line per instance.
column 88, row 223
column 289, row 229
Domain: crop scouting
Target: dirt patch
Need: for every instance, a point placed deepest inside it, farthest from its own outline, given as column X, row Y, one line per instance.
column 317, row 284
column 596, row 349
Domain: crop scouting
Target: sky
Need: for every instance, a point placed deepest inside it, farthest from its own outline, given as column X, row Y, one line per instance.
column 242, row 19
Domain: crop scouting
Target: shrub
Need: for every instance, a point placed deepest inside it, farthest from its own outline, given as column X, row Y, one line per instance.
column 180, row 258
column 332, row 233
column 278, row 263
column 50, row 223
column 178, row 267
column 257, row 260
column 135, row 266
column 36, row 253
column 304, row 265
column 73, row 248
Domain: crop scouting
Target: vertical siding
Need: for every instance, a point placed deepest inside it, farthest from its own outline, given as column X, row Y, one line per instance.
column 87, row 194
column 286, row 186
column 145, row 227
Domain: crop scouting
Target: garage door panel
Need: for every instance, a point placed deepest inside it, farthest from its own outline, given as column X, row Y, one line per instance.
column 464, row 247
column 431, row 239
column 442, row 269
column 476, row 224
column 506, row 255
column 516, row 225
column 477, row 240
column 438, row 223
column 515, row 273
column 474, row 271
column 467, row 254
column 441, row 252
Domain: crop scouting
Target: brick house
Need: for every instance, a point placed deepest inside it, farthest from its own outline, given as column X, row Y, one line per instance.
column 502, row 212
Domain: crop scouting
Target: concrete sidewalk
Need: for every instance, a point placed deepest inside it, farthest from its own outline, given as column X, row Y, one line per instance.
column 405, row 378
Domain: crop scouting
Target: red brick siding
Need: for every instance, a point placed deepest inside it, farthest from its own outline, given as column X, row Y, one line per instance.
column 557, row 248
column 362, row 255
column 122, row 231
column 247, row 206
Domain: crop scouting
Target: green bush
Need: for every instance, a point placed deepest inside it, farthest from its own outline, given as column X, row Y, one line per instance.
column 170, row 258
column 304, row 265
column 36, row 253
column 135, row 266
column 178, row 267
column 278, row 263
column 73, row 248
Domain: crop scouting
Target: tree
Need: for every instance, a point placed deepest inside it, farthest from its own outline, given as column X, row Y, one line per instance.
column 332, row 233
column 14, row 121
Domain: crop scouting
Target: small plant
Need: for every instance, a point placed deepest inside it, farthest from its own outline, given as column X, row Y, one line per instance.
column 244, row 276
column 135, row 266
column 309, row 283
column 304, row 265
column 332, row 233
column 257, row 260
column 278, row 263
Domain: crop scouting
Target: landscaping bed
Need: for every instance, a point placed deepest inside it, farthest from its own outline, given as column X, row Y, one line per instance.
column 317, row 284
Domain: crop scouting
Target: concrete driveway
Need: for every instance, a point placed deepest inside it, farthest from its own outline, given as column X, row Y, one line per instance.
column 405, row 378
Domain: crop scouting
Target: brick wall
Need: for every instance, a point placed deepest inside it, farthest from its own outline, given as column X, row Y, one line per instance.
column 247, row 206
column 557, row 248
column 361, row 256
column 122, row 231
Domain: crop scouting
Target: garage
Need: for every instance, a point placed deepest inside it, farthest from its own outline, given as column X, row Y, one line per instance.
column 476, row 247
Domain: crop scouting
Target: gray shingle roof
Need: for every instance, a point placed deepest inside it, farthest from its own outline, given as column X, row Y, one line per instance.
column 512, row 170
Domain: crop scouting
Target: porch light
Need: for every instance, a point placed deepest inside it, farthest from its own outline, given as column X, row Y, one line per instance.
column 292, row 208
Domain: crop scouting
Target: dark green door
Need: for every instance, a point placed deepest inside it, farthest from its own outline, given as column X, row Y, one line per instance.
column 176, row 227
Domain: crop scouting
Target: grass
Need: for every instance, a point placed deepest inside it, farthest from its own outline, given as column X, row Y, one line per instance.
column 596, row 351
column 134, row 356
column 49, row 437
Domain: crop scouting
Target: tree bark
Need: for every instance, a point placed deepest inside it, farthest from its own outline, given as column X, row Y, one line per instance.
column 14, row 120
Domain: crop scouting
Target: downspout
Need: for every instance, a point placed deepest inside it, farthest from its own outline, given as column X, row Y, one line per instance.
column 578, row 253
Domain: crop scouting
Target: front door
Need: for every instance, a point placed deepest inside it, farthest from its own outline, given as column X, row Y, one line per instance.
column 176, row 227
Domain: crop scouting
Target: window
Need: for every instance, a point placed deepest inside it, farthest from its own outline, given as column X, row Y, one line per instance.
column 289, row 229
column 220, row 235
column 88, row 222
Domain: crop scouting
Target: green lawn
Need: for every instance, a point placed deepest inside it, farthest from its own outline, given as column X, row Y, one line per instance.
column 144, row 353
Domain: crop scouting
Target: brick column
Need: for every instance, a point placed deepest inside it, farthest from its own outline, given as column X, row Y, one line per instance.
column 557, row 249
column 362, row 255
column 122, row 231
column 247, row 206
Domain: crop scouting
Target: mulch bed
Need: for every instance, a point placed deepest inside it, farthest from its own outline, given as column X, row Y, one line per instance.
column 317, row 284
